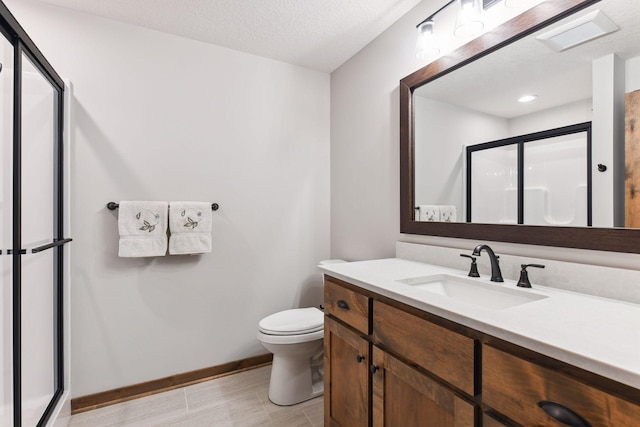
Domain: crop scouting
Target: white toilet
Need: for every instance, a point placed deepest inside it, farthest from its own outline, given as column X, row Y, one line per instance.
column 295, row 337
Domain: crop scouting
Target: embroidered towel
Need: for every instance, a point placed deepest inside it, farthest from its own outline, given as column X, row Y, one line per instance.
column 448, row 213
column 190, row 227
column 429, row 213
column 143, row 229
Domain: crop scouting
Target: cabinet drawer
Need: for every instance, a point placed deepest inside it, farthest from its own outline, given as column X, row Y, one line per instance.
column 515, row 387
column 346, row 305
column 445, row 353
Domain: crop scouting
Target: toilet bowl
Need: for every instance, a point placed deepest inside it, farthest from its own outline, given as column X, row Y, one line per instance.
column 295, row 337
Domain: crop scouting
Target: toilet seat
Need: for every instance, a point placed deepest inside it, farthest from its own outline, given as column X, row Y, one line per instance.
column 290, row 339
column 297, row 321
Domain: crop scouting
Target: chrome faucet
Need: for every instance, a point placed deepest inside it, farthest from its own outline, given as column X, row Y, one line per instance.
column 496, row 274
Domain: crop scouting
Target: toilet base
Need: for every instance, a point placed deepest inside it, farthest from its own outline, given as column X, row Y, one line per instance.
column 294, row 379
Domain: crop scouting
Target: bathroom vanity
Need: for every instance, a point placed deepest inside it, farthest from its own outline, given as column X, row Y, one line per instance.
column 405, row 345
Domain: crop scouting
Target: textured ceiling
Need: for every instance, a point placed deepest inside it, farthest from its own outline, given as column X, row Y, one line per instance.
column 317, row 34
column 494, row 83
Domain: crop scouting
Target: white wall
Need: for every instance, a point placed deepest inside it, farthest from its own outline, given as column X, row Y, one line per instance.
column 608, row 129
column 159, row 117
column 633, row 74
column 365, row 196
column 442, row 131
column 563, row 115
column 364, row 141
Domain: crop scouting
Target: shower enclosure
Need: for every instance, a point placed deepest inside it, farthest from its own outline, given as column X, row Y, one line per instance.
column 31, row 230
column 542, row 178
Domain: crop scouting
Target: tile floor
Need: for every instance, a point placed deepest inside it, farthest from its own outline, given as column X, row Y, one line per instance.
column 236, row 400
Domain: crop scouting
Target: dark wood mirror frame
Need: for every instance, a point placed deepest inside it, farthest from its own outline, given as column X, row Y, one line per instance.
column 604, row 239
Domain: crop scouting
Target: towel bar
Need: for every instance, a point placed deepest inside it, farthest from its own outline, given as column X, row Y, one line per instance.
column 112, row 206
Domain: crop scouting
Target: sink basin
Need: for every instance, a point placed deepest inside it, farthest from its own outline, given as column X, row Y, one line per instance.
column 472, row 291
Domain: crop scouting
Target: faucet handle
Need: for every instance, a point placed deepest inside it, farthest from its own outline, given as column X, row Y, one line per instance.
column 532, row 265
column 524, row 276
column 473, row 272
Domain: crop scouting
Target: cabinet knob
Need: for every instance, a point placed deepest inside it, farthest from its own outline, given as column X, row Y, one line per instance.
column 373, row 369
column 563, row 414
column 343, row 304
column 359, row 358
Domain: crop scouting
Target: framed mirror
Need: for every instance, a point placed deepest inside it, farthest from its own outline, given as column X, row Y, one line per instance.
column 466, row 100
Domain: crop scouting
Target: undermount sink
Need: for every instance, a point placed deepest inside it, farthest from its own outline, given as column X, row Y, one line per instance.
column 472, row 291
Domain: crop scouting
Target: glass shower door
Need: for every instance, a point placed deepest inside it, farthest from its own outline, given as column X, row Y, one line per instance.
column 493, row 184
column 556, row 181
column 38, row 284
column 6, row 234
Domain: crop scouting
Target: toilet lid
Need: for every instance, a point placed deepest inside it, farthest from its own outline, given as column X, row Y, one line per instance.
column 293, row 322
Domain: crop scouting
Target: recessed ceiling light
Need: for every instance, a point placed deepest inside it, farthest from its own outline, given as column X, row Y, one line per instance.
column 527, row 98
column 588, row 27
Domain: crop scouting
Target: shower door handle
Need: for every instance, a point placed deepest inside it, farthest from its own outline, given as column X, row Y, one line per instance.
column 50, row 245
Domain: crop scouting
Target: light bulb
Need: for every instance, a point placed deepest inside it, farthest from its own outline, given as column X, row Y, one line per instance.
column 426, row 45
column 469, row 20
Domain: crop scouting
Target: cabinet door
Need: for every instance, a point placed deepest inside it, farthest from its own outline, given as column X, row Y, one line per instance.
column 405, row 397
column 346, row 377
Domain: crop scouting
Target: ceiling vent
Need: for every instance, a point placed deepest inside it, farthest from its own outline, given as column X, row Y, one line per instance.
column 588, row 27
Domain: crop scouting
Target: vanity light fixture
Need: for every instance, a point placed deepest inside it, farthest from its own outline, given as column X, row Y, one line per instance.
column 527, row 98
column 468, row 22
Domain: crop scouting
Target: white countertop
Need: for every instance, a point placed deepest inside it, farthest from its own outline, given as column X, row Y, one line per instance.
column 596, row 334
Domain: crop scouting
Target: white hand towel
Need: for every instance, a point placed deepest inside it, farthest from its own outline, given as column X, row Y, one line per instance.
column 143, row 229
column 190, row 227
column 448, row 213
column 428, row 213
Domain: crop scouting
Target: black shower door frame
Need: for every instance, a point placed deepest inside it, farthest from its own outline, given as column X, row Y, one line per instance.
column 519, row 141
column 23, row 45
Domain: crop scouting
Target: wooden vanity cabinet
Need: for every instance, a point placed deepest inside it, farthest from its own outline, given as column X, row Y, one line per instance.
column 387, row 365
